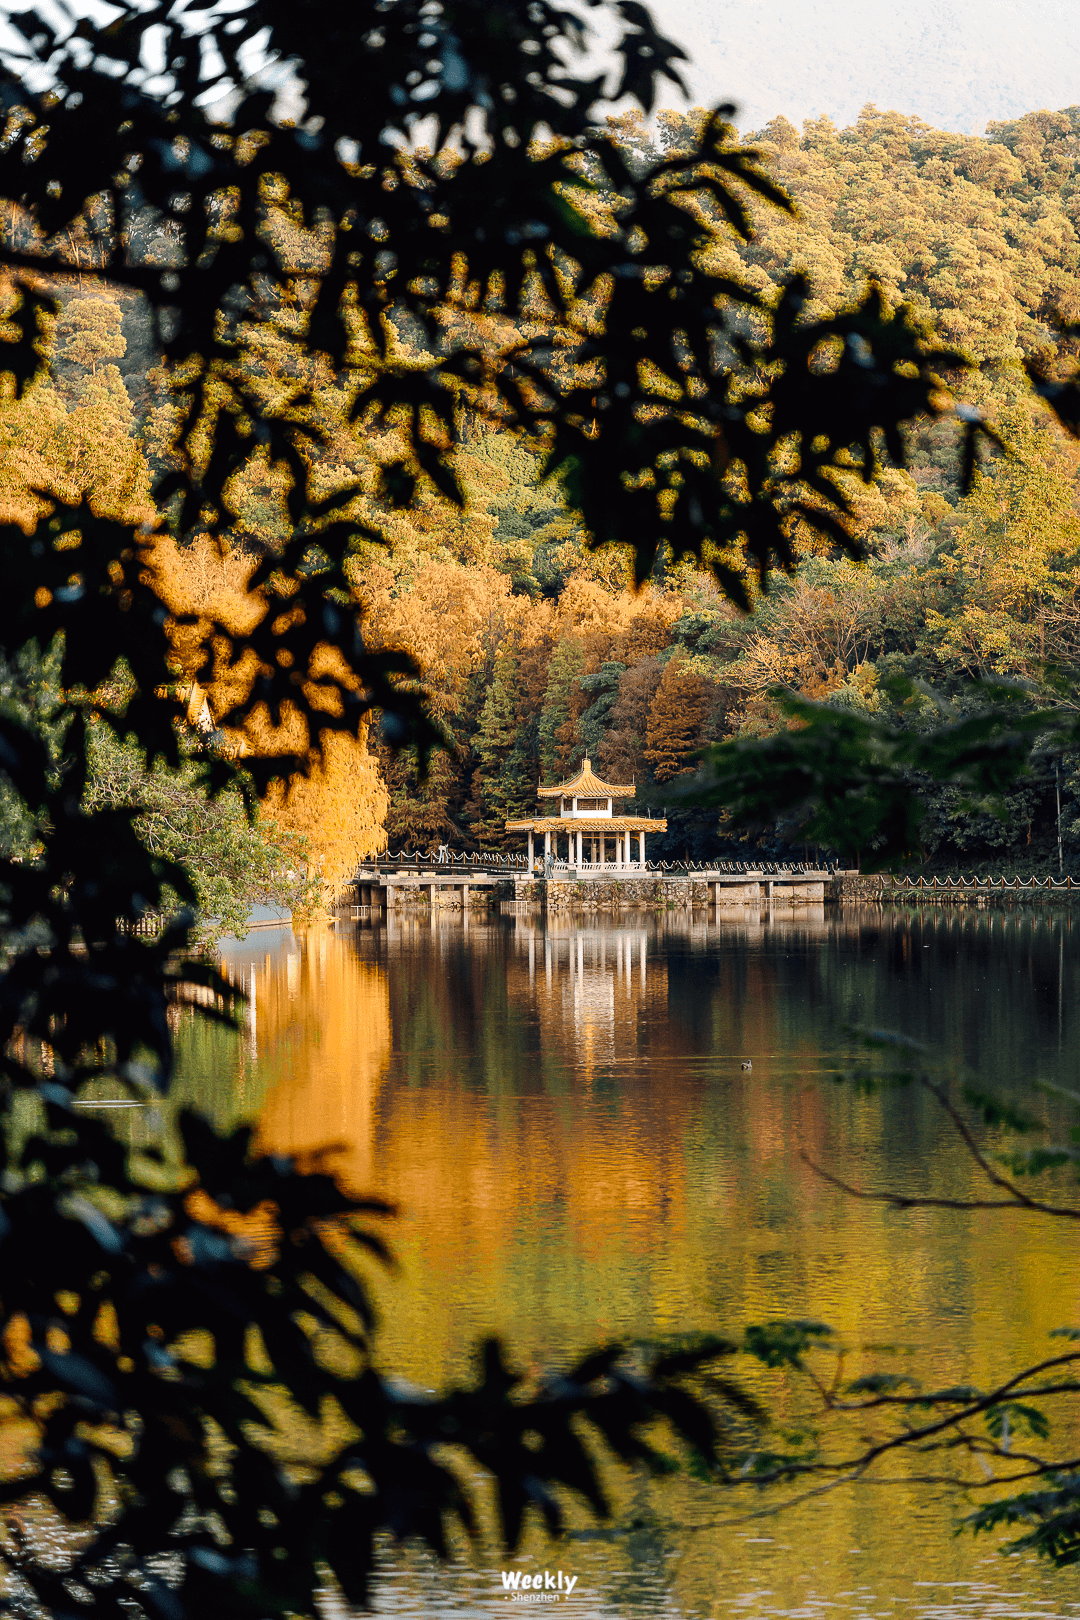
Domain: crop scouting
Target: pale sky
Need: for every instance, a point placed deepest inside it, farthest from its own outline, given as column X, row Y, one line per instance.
column 955, row 63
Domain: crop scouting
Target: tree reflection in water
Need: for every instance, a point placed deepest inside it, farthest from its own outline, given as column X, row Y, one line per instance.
column 560, row 1112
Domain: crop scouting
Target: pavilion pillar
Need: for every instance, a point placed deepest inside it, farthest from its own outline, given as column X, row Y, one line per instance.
column 619, row 852
column 579, row 846
column 547, row 846
column 530, row 849
column 641, row 848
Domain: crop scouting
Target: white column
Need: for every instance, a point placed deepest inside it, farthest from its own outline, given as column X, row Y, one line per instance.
column 579, row 847
column 530, row 849
column 619, row 850
column 641, row 849
column 547, row 845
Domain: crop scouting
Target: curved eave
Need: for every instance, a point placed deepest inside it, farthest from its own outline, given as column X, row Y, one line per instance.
column 587, row 785
column 589, row 824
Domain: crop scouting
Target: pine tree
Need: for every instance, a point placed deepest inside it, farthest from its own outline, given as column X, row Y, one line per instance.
column 559, row 735
column 621, row 751
column 597, row 717
column 423, row 814
column 505, row 776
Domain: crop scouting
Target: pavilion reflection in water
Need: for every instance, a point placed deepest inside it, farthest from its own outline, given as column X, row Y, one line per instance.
column 327, row 1019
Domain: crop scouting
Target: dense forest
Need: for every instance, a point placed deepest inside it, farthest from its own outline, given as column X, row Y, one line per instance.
column 535, row 649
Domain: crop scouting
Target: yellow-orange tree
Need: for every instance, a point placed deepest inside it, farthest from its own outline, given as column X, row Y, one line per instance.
column 515, row 268
column 676, row 716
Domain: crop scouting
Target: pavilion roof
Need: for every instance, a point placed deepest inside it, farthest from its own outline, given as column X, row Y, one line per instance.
column 586, row 785
column 589, row 824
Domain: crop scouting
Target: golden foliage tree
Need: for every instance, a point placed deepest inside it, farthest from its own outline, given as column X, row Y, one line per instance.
column 676, row 719
column 89, row 331
column 76, row 441
column 340, row 806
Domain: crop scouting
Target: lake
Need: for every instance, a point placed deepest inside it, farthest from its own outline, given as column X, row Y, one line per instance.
column 561, row 1114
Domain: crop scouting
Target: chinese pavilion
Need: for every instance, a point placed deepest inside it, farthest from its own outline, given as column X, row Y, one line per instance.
column 588, row 821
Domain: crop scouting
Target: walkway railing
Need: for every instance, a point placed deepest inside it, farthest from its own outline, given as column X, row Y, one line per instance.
column 450, row 861
column 986, row 885
column 759, row 869
column 746, row 868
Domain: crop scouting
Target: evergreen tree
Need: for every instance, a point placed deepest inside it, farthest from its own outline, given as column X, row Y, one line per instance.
column 423, row 813
column 622, row 747
column 560, row 738
column 594, row 721
column 505, row 781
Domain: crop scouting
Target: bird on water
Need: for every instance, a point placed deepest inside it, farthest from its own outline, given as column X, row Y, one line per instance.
column 747, row 1064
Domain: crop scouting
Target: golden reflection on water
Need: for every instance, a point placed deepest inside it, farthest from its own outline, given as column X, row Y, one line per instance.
column 561, row 1114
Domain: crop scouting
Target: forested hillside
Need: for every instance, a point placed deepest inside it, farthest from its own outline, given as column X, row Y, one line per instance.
column 536, row 650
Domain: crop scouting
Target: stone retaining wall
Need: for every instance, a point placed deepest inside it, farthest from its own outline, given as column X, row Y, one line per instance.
column 856, row 886
column 608, row 894
column 603, row 894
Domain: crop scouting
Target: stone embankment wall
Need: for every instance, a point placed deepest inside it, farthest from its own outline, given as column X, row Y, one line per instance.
column 856, row 886
column 608, row 894
column 602, row 894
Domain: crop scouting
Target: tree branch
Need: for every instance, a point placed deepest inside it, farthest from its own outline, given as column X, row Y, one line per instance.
column 917, row 1201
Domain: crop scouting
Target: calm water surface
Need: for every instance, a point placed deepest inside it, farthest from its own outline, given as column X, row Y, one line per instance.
column 561, row 1113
